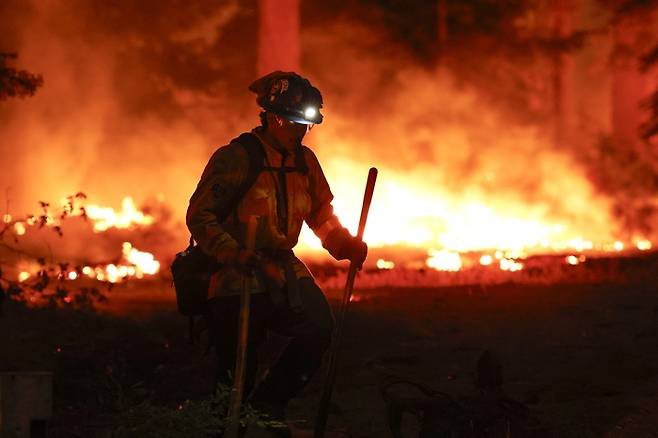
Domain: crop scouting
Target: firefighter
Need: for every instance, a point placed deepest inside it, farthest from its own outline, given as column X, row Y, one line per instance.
column 289, row 189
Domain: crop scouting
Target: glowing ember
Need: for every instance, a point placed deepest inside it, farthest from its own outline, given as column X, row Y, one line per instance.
column 643, row 245
column 112, row 273
column 510, row 265
column 7, row 218
column 72, row 275
column 23, row 276
column 444, row 260
column 572, row 260
column 619, row 246
column 19, row 227
column 105, row 217
column 384, row 264
column 486, row 260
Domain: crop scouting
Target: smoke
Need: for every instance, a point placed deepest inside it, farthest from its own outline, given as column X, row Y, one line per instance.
column 440, row 138
column 138, row 94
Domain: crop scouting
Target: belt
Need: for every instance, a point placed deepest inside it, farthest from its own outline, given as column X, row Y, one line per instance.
column 285, row 258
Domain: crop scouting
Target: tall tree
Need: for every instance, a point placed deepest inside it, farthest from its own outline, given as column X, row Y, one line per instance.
column 562, row 28
column 629, row 84
column 278, row 35
column 650, row 127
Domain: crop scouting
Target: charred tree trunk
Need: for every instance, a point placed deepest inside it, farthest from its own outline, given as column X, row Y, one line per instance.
column 629, row 85
column 562, row 72
column 278, row 35
column 442, row 28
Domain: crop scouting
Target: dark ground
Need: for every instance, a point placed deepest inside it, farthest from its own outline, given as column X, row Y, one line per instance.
column 584, row 358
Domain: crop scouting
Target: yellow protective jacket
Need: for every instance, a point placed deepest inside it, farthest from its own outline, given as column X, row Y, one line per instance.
column 308, row 199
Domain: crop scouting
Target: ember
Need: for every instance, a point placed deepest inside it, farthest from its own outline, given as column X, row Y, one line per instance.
column 384, row 264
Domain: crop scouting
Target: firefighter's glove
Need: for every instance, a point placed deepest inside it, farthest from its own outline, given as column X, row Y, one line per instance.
column 245, row 260
column 356, row 251
column 343, row 246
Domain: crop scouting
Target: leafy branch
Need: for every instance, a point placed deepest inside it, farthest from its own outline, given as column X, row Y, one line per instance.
column 190, row 419
column 51, row 283
column 16, row 83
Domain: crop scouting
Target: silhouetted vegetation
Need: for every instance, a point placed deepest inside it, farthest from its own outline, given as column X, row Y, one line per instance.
column 16, row 83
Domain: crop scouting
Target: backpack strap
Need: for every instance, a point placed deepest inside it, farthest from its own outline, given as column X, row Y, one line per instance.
column 256, row 155
column 256, row 158
column 300, row 161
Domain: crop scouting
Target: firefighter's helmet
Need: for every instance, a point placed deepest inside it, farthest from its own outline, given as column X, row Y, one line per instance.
column 290, row 96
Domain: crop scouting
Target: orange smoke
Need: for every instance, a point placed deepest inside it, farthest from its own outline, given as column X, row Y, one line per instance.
column 457, row 174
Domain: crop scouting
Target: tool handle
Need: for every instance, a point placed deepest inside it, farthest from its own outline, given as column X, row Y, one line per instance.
column 367, row 200
column 325, row 401
column 243, row 337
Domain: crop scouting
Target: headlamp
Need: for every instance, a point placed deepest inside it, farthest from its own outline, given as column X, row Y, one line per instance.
column 310, row 113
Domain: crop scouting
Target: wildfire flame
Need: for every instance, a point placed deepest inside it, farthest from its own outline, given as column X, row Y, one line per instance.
column 408, row 213
column 134, row 263
column 104, row 218
column 385, row 264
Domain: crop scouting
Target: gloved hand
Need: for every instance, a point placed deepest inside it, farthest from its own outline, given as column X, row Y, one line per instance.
column 245, row 259
column 342, row 245
column 249, row 261
column 355, row 250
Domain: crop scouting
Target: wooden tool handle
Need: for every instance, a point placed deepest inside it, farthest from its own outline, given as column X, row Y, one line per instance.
column 243, row 336
column 367, row 200
column 325, row 400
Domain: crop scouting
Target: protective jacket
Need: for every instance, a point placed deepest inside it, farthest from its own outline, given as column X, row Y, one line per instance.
column 283, row 196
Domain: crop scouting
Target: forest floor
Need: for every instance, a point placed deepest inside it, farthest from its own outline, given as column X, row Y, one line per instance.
column 583, row 358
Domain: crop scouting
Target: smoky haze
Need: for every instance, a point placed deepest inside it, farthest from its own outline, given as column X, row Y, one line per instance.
column 137, row 95
column 133, row 102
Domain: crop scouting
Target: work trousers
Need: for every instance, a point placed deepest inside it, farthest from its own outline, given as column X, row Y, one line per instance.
column 309, row 329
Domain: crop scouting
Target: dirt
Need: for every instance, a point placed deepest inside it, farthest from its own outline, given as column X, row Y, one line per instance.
column 583, row 358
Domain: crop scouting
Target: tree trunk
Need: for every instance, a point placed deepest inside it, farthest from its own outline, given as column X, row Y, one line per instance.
column 278, row 36
column 562, row 73
column 442, row 27
column 629, row 85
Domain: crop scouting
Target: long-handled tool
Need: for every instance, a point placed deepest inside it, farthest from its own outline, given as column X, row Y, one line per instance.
column 323, row 410
column 243, row 336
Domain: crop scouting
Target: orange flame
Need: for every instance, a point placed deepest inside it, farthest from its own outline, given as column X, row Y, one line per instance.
column 407, row 211
column 106, row 217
